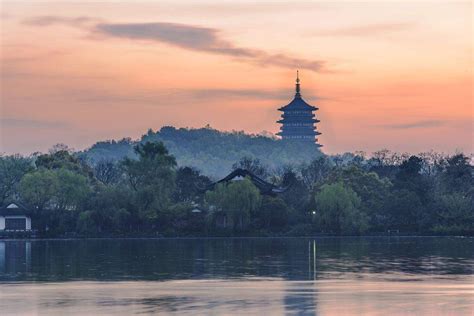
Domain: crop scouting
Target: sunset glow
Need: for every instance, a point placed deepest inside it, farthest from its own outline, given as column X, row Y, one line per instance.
column 393, row 75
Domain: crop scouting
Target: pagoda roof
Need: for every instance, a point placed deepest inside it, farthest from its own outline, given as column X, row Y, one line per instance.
column 298, row 120
column 284, row 132
column 298, row 103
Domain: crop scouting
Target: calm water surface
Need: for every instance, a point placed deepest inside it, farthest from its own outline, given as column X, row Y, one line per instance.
column 273, row 276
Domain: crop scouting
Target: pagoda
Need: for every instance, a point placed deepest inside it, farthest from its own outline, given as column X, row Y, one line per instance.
column 298, row 120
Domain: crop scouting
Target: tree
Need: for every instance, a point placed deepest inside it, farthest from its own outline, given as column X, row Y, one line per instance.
column 12, row 169
column 238, row 200
column 154, row 163
column 152, row 180
column 405, row 210
column 338, row 210
column 62, row 158
column 254, row 165
column 456, row 214
column 190, row 183
column 86, row 224
column 59, row 189
column 273, row 213
column 38, row 188
column 108, row 209
column 410, row 168
column 372, row 190
column 72, row 189
column 458, row 175
column 60, row 147
column 107, row 172
column 316, row 172
column 297, row 194
column 385, row 163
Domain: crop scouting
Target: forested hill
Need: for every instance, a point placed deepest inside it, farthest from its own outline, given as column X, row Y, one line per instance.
column 211, row 151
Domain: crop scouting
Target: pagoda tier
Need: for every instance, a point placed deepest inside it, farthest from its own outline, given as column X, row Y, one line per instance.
column 298, row 120
column 291, row 119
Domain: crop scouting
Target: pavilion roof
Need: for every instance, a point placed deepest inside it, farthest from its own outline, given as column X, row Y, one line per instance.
column 15, row 208
column 263, row 186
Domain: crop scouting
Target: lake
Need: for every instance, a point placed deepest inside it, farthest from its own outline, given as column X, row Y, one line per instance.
column 254, row 276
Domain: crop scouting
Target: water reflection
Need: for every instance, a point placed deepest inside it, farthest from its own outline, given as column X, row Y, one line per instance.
column 15, row 257
column 287, row 258
column 298, row 300
column 250, row 296
column 294, row 276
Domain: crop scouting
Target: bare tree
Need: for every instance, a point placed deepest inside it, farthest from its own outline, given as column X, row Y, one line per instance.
column 107, row 172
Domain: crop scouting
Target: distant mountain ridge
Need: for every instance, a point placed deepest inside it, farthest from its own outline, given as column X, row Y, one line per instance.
column 211, row 151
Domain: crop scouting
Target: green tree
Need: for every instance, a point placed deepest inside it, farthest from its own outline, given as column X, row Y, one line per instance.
column 405, row 210
column 296, row 196
column 458, row 175
column 152, row 180
column 59, row 189
column 39, row 188
column 108, row 210
column 316, row 172
column 456, row 214
column 273, row 213
column 12, row 169
column 61, row 157
column 86, row 224
column 338, row 210
column 372, row 190
column 189, row 184
column 410, row 204
column 238, row 200
column 72, row 189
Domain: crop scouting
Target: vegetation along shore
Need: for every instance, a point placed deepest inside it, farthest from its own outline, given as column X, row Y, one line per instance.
column 167, row 184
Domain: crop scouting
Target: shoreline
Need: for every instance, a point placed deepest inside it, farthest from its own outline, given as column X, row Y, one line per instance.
column 234, row 237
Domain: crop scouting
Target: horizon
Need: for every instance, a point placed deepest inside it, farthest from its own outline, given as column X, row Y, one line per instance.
column 78, row 73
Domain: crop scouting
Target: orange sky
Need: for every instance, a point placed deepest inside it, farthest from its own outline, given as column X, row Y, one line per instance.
column 393, row 75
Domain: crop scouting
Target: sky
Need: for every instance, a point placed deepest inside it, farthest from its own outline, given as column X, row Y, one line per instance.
column 395, row 75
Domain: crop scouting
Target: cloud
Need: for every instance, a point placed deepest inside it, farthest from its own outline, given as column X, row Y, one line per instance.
column 418, row 124
column 202, row 39
column 5, row 16
column 169, row 97
column 15, row 56
column 80, row 21
column 189, row 37
column 366, row 30
column 30, row 123
column 237, row 93
column 250, row 94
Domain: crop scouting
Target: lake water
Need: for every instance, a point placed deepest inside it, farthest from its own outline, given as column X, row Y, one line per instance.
column 261, row 276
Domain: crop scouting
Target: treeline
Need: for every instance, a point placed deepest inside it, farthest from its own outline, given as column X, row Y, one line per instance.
column 151, row 195
column 211, row 151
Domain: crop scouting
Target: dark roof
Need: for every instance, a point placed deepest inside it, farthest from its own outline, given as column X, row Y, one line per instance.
column 262, row 185
column 14, row 208
column 298, row 104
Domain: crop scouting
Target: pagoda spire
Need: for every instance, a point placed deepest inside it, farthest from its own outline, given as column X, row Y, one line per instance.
column 298, row 94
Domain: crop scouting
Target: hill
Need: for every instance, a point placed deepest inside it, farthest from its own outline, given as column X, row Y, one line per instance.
column 211, row 151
